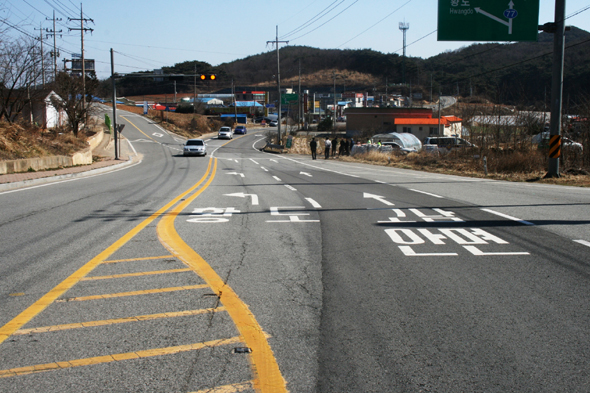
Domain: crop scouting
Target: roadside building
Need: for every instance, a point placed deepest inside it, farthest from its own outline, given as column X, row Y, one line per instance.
column 41, row 111
column 417, row 121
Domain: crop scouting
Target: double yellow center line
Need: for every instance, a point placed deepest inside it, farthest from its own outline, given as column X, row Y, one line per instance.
column 267, row 376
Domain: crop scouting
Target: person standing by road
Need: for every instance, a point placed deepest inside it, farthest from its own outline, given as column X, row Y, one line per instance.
column 313, row 145
column 334, row 146
column 327, row 146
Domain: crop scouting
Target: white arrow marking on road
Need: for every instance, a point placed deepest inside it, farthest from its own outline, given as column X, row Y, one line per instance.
column 235, row 173
column 242, row 195
column 157, row 134
column 377, row 197
column 313, row 203
column 480, row 11
column 305, row 173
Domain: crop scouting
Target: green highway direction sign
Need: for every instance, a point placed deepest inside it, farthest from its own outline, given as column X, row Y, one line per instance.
column 287, row 99
column 488, row 20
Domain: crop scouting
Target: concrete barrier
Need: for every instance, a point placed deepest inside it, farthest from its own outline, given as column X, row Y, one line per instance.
column 83, row 157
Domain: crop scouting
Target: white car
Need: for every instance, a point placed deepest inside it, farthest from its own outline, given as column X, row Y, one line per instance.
column 225, row 133
column 194, row 147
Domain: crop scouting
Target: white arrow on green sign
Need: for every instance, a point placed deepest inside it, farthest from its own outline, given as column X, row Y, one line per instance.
column 488, row 20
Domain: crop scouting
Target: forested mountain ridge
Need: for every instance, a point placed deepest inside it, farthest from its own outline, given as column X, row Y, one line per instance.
column 511, row 73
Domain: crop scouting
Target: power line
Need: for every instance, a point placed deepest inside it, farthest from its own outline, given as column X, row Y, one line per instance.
column 323, row 24
column 312, row 20
column 375, row 24
column 517, row 63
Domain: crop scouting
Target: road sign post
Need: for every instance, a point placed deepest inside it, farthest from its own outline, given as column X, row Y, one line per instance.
column 488, row 20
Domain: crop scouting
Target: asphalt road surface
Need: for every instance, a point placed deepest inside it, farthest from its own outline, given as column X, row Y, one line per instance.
column 245, row 271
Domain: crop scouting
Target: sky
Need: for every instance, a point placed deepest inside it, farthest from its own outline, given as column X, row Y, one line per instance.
column 147, row 35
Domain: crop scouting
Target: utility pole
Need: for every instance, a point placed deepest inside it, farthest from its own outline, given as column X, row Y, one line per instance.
column 438, row 129
column 114, row 105
column 42, row 54
column 277, row 42
column 558, row 29
column 403, row 26
column 299, row 100
column 430, row 87
column 233, row 94
column 55, row 54
column 195, row 91
column 334, row 111
column 82, row 30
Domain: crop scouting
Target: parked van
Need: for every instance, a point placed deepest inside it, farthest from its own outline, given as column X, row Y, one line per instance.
column 445, row 142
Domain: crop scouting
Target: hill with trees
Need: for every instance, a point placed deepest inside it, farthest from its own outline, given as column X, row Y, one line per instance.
column 509, row 73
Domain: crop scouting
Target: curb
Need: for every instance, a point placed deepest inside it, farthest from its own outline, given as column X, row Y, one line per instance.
column 52, row 179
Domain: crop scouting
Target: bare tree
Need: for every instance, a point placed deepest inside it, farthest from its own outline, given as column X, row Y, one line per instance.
column 20, row 73
column 69, row 88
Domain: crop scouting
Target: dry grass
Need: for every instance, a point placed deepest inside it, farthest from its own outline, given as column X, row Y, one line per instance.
column 23, row 141
column 186, row 124
column 523, row 166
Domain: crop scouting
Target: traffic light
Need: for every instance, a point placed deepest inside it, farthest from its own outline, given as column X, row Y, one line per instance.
column 208, row 77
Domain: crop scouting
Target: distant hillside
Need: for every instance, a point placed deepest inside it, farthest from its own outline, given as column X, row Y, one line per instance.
column 515, row 73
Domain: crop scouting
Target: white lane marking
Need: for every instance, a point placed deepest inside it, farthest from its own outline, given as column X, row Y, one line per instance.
column 242, row 195
column 276, row 178
column 583, row 242
column 131, row 146
column 157, row 135
column 508, row 217
column 477, row 252
column 264, row 169
column 256, row 141
column 407, row 250
column 235, row 173
column 237, row 161
column 290, row 187
column 306, row 174
column 426, row 193
column 313, row 203
column 293, row 215
column 378, row 197
column 275, row 161
column 379, row 181
column 254, row 161
column 207, row 140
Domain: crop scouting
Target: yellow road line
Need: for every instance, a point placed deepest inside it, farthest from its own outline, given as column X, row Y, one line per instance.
column 133, row 293
column 267, row 375
column 138, row 259
column 106, row 322
column 138, row 274
column 233, row 388
column 129, row 121
column 34, row 309
column 13, row 372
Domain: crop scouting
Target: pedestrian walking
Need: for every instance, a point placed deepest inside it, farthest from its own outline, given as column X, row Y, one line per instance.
column 313, row 145
column 327, row 146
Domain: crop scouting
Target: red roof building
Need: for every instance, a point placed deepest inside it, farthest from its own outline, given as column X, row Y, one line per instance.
column 418, row 121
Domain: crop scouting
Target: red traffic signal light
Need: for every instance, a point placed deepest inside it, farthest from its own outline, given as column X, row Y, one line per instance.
column 208, row 77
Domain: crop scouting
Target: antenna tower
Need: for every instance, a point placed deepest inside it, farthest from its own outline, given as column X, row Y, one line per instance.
column 403, row 26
